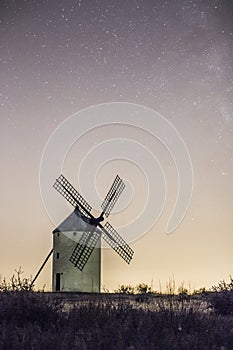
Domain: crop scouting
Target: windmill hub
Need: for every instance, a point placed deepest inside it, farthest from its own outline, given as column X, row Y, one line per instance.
column 96, row 221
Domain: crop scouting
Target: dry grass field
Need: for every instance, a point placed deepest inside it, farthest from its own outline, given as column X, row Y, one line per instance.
column 33, row 320
column 128, row 320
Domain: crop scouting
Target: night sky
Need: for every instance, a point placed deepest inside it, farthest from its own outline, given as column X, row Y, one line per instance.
column 175, row 57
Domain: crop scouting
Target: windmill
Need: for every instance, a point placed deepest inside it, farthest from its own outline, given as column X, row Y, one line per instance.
column 79, row 257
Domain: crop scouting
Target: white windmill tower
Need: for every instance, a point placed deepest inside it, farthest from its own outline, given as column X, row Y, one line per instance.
column 76, row 241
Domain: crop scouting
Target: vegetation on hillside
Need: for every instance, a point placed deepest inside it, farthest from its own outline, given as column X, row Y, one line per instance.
column 203, row 320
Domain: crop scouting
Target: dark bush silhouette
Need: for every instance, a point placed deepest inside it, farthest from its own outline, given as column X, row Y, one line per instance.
column 16, row 283
column 222, row 298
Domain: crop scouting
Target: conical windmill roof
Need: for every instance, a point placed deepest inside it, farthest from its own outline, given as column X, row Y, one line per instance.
column 74, row 222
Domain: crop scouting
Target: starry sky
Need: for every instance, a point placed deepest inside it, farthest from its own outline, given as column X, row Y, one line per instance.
column 175, row 57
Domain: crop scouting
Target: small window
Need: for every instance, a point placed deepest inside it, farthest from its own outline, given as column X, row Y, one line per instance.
column 74, row 233
column 58, row 255
column 58, row 234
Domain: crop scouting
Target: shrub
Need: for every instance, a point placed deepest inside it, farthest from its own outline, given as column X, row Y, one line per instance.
column 125, row 289
column 16, row 283
column 143, row 288
column 221, row 300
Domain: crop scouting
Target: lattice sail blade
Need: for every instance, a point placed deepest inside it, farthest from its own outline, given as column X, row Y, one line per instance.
column 112, row 237
column 79, row 248
column 112, row 195
column 64, row 187
column 84, row 248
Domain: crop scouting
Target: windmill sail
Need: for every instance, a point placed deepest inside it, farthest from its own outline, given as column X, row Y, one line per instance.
column 112, row 237
column 65, row 188
column 112, row 195
column 84, row 248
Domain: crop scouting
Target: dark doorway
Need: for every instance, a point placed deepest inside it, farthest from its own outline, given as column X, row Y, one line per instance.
column 58, row 282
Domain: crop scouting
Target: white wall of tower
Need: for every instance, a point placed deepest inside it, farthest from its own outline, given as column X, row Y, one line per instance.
column 71, row 278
